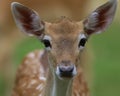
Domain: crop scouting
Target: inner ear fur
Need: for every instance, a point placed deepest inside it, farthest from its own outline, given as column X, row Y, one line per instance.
column 99, row 20
column 27, row 20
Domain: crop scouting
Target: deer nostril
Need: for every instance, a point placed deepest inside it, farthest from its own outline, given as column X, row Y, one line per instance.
column 66, row 71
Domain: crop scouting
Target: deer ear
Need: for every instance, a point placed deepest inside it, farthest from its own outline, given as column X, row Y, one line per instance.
column 101, row 18
column 27, row 20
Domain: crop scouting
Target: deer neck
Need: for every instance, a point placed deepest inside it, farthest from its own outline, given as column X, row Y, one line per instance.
column 62, row 87
column 56, row 86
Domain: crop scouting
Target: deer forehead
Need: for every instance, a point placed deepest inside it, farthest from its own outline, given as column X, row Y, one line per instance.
column 64, row 29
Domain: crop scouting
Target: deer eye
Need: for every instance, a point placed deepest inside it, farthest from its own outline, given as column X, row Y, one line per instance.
column 46, row 41
column 82, row 41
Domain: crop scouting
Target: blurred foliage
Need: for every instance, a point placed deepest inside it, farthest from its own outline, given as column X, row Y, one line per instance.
column 107, row 62
column 2, row 85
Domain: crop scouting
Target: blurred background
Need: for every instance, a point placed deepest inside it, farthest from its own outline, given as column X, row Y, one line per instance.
column 105, row 47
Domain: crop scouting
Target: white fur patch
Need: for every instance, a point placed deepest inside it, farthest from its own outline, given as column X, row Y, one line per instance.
column 33, row 82
column 81, row 48
column 42, row 78
column 74, row 71
column 31, row 55
column 47, row 37
column 40, row 95
column 48, row 48
column 82, row 36
column 57, row 71
column 40, row 87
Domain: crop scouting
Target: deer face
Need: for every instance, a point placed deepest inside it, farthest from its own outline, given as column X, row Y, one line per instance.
column 65, row 39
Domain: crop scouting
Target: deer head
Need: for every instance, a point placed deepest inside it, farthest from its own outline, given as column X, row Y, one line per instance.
column 65, row 39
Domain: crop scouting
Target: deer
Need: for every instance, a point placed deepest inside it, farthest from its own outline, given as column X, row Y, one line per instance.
column 56, row 70
column 10, row 34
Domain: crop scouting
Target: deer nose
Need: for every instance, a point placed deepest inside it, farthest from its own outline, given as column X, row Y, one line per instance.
column 66, row 69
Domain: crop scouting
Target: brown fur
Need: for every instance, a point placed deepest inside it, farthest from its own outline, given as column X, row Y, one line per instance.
column 10, row 36
column 64, row 46
column 28, row 82
column 64, row 34
column 65, row 38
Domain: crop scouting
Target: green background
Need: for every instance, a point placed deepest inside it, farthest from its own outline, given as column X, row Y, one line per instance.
column 106, row 67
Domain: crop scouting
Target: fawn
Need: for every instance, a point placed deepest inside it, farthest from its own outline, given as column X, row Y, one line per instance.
column 56, row 71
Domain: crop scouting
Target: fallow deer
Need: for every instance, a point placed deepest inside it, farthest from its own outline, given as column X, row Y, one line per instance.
column 57, row 71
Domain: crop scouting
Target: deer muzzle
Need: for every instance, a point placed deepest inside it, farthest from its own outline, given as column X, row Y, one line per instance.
column 66, row 69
